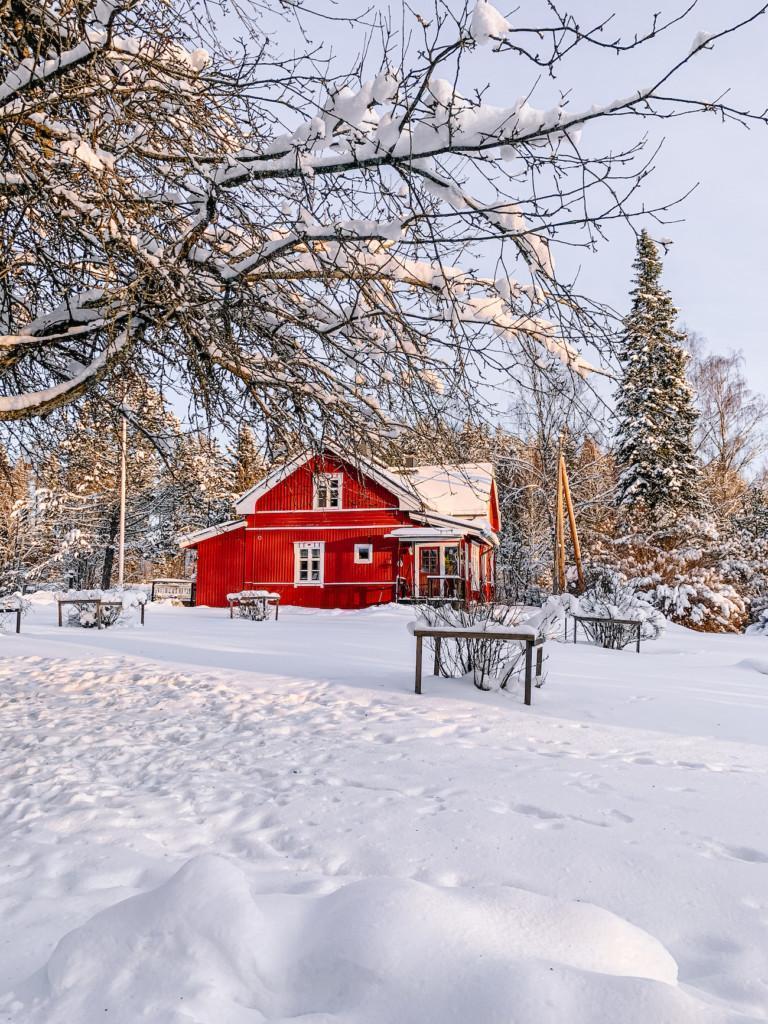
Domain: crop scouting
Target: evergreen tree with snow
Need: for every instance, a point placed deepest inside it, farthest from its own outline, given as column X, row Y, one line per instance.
column 658, row 472
column 248, row 465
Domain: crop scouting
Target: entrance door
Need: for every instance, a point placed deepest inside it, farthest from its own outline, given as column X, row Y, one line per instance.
column 429, row 565
column 452, row 572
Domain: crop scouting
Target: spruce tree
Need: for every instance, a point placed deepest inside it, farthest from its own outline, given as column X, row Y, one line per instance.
column 658, row 473
column 248, row 465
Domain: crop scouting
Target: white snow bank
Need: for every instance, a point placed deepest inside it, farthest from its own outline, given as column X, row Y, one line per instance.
column 205, row 946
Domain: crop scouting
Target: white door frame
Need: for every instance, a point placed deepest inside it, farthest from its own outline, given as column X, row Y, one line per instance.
column 441, row 545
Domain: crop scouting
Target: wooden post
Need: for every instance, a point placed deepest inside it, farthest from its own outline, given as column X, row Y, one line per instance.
column 18, row 620
column 59, row 604
column 123, row 475
column 437, row 657
column 572, row 524
column 98, row 614
column 559, row 535
column 142, row 614
column 418, row 664
column 638, row 638
column 528, row 666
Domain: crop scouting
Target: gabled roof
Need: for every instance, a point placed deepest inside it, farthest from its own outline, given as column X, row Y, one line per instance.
column 407, row 498
column 189, row 540
column 464, row 491
column 450, row 496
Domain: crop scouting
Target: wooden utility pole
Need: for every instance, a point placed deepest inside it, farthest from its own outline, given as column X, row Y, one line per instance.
column 123, row 474
column 563, row 502
column 559, row 535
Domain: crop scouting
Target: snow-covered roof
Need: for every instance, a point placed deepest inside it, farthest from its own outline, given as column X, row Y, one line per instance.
column 189, row 540
column 477, row 527
column 460, row 496
column 463, row 491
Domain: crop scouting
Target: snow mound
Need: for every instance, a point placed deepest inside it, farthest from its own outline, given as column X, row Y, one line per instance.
column 208, row 947
column 755, row 664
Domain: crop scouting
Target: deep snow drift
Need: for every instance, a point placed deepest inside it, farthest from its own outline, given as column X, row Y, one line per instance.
column 230, row 822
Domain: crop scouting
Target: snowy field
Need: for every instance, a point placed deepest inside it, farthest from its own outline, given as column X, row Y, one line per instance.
column 224, row 822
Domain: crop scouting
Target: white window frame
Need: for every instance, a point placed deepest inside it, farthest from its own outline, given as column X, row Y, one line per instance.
column 363, row 561
column 475, row 566
column 310, row 546
column 325, row 478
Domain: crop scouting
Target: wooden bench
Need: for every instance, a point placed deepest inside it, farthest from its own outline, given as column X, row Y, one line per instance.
column 607, row 621
column 12, row 609
column 245, row 600
column 531, row 641
column 97, row 603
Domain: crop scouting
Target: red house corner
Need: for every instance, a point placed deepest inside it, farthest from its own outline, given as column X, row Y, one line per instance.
column 325, row 532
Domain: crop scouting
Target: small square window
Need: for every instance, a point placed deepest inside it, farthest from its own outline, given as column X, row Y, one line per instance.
column 327, row 490
column 363, row 554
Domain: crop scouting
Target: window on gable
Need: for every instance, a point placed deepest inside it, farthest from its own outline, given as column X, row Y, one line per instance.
column 308, row 559
column 328, row 490
column 363, row 554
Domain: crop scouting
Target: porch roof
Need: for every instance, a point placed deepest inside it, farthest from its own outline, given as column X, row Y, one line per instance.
column 191, row 540
column 425, row 533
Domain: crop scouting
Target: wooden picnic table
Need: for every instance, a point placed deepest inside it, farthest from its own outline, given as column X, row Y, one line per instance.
column 97, row 602
column 253, row 599
column 530, row 639
column 605, row 619
column 10, row 609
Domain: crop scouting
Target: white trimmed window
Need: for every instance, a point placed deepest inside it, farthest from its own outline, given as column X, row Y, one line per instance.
column 327, row 490
column 363, row 554
column 475, row 565
column 308, row 562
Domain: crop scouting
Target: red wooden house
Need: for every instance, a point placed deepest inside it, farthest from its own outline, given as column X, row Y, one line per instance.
column 324, row 532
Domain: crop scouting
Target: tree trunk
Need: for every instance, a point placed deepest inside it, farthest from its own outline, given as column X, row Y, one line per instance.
column 109, row 551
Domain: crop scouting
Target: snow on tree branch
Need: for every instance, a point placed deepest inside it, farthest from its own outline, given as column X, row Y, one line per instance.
column 338, row 249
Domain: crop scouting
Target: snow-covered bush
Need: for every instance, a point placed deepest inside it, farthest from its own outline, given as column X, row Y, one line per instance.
column 608, row 595
column 9, row 605
column 253, row 604
column 490, row 665
column 116, row 605
column 760, row 626
column 681, row 570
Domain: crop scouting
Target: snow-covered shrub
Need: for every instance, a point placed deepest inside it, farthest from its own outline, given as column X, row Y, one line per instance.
column 608, row 595
column 701, row 601
column 116, row 605
column 760, row 625
column 681, row 570
column 253, row 604
column 9, row 605
column 491, row 665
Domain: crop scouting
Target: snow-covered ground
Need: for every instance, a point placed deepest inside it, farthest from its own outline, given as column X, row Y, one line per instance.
column 229, row 822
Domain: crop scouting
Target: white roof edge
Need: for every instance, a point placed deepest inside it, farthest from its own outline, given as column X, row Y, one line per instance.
column 424, row 532
column 246, row 502
column 186, row 540
column 464, row 524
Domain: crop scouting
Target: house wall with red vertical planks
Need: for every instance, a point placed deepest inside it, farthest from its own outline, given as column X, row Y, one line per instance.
column 261, row 555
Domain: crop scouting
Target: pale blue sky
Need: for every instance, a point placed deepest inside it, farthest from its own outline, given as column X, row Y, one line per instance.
column 716, row 266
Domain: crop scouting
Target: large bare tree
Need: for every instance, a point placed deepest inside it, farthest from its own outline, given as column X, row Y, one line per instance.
column 341, row 251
